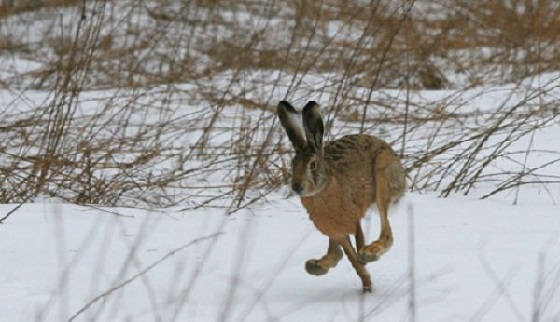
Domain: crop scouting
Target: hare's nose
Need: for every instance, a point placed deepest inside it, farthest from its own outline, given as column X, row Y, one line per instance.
column 298, row 188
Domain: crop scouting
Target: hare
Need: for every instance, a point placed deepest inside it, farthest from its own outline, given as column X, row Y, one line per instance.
column 337, row 182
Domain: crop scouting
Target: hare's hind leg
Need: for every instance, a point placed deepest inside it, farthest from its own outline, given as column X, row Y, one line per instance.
column 373, row 251
column 360, row 239
column 322, row 266
column 358, row 266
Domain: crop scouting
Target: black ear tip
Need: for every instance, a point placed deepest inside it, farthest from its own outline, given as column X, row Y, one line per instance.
column 287, row 106
column 309, row 106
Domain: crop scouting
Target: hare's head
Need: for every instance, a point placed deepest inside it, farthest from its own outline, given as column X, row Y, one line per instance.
column 309, row 171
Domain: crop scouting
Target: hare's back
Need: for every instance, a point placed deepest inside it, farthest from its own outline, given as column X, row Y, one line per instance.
column 356, row 159
column 353, row 153
column 351, row 189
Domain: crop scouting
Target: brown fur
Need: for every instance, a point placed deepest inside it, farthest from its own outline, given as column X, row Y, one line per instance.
column 337, row 182
column 353, row 162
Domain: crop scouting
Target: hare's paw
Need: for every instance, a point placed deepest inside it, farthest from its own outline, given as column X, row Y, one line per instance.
column 365, row 257
column 371, row 253
column 316, row 267
column 366, row 283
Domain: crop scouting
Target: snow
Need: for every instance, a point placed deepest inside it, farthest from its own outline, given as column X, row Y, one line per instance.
column 474, row 259
column 480, row 260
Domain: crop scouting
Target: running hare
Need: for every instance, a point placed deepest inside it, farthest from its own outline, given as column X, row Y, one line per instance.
column 337, row 182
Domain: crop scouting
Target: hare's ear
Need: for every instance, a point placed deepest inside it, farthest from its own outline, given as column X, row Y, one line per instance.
column 291, row 121
column 313, row 125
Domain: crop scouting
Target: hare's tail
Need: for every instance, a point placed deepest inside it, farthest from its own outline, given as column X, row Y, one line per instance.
column 396, row 178
column 391, row 177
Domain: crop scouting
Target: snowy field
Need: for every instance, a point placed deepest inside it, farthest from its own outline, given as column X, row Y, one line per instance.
column 475, row 260
column 205, row 140
column 168, row 107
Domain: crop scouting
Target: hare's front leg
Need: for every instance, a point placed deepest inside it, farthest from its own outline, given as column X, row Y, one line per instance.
column 322, row 266
column 356, row 263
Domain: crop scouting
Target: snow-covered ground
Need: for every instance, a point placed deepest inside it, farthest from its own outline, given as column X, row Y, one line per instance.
column 479, row 260
column 474, row 260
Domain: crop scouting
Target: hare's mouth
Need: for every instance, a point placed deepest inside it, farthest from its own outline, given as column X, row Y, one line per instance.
column 307, row 193
column 306, row 189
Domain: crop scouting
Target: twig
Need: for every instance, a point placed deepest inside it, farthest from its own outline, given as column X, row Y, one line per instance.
column 411, row 268
column 407, row 10
column 132, row 278
column 10, row 213
column 536, row 312
column 499, row 291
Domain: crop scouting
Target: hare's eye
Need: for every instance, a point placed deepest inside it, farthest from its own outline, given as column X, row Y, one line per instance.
column 313, row 165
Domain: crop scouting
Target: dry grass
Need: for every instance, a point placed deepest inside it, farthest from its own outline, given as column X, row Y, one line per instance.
column 147, row 103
